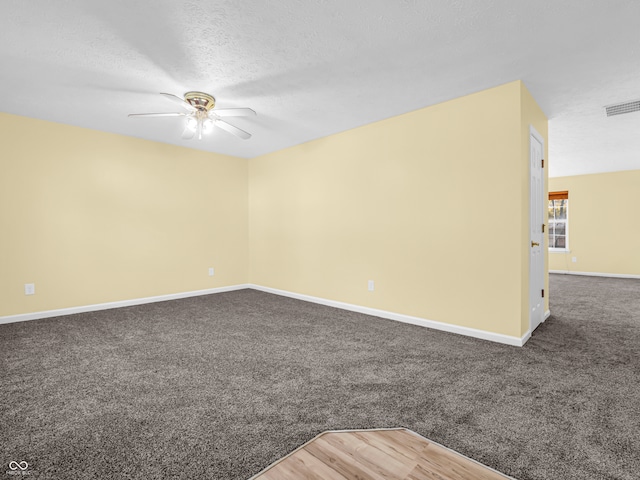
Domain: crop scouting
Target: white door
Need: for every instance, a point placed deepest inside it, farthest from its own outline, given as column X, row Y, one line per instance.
column 536, row 256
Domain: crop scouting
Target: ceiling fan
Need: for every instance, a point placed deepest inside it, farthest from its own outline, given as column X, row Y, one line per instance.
column 201, row 116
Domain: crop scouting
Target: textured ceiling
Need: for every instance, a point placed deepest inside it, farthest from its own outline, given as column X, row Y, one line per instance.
column 316, row 67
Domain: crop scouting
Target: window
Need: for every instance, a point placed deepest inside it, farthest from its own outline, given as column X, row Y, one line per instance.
column 558, row 216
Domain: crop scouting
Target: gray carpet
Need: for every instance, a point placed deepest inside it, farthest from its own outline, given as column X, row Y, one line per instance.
column 218, row 387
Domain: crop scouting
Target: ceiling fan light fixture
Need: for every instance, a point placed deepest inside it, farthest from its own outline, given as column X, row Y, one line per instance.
column 201, row 119
column 207, row 126
column 192, row 123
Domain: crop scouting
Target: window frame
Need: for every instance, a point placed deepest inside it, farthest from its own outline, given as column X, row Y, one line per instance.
column 560, row 195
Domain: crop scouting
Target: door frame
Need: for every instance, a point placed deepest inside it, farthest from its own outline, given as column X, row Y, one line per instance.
column 534, row 323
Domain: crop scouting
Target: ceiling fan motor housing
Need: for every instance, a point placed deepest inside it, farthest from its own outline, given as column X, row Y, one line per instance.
column 201, row 101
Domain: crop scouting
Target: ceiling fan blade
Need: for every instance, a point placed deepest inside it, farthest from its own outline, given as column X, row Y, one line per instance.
column 178, row 100
column 231, row 129
column 234, row 112
column 157, row 114
column 188, row 133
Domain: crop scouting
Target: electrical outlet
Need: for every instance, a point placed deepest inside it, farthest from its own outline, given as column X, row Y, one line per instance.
column 370, row 285
column 29, row 288
column 574, row 259
column 211, row 271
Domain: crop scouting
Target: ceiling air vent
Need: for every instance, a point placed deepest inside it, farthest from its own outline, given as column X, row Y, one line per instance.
column 620, row 108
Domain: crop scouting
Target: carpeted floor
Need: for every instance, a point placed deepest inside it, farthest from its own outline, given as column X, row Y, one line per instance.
column 218, row 387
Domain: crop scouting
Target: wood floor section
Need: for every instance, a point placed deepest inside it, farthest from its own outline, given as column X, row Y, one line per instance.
column 376, row 455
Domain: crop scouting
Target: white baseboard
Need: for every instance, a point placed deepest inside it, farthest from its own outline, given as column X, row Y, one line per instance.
column 123, row 303
column 446, row 327
column 547, row 314
column 595, row 274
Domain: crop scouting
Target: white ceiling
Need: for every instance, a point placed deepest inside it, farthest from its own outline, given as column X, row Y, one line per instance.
column 316, row 67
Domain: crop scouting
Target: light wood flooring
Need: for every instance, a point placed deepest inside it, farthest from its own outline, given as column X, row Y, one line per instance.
column 378, row 455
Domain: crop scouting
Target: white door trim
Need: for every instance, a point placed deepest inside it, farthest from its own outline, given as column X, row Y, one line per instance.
column 533, row 132
column 536, row 275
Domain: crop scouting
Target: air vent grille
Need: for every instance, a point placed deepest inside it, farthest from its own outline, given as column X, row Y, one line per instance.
column 621, row 108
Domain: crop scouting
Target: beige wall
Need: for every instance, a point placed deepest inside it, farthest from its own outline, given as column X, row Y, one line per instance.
column 92, row 217
column 414, row 203
column 604, row 223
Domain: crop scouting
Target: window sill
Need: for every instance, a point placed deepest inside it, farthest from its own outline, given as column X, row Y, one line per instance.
column 559, row 250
